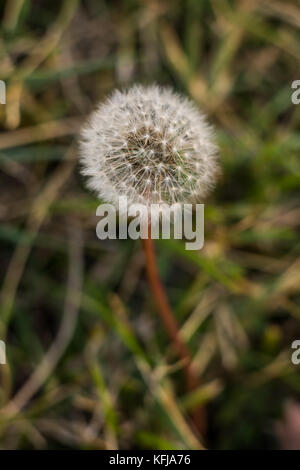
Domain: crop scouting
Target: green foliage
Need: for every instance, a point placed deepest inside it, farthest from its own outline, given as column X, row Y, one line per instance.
column 109, row 377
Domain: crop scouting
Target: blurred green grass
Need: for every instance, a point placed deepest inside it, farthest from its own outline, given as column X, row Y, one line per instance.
column 89, row 365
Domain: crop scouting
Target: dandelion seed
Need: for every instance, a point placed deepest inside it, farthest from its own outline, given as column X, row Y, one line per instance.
column 163, row 150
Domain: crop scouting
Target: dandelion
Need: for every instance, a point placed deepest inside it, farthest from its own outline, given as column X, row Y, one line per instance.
column 151, row 145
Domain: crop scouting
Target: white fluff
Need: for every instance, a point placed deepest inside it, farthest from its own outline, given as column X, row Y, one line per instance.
column 151, row 145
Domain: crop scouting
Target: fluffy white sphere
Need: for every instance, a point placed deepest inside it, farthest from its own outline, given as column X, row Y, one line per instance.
column 151, row 145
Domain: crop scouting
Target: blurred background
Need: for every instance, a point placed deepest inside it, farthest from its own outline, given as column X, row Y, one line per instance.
column 89, row 365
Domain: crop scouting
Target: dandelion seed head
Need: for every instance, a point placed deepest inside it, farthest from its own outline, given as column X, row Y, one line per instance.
column 151, row 145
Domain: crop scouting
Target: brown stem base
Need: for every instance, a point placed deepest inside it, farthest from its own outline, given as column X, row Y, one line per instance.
column 171, row 326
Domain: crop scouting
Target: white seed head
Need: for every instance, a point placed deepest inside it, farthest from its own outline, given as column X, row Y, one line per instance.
column 151, row 145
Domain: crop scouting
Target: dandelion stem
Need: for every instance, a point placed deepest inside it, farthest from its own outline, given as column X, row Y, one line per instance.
column 171, row 325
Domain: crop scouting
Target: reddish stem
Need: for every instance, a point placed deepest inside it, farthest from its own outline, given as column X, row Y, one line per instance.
column 171, row 325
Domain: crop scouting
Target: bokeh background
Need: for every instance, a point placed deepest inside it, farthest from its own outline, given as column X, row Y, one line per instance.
column 89, row 365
